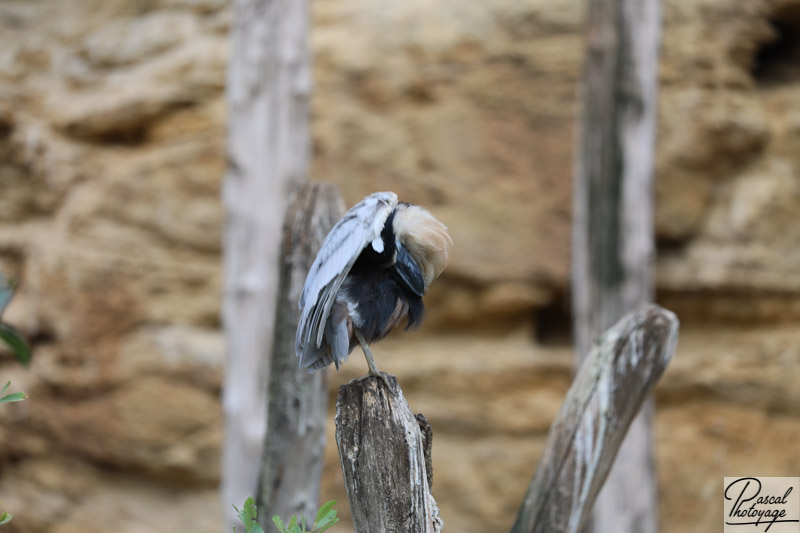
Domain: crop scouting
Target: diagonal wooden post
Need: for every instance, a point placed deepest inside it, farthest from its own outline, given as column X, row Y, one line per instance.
column 291, row 464
column 615, row 379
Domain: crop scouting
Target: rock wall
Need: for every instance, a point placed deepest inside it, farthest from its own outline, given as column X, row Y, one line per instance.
column 112, row 149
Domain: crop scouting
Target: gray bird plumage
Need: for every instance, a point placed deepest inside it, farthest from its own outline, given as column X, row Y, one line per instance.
column 360, row 226
column 369, row 276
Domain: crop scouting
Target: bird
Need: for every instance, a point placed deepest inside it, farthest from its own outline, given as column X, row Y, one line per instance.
column 370, row 274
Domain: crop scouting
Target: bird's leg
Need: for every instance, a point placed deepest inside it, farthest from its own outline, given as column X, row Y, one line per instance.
column 373, row 368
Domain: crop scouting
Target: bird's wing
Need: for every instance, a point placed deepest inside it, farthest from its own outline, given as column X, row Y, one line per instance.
column 361, row 225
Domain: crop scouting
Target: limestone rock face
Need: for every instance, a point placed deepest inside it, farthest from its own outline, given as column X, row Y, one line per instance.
column 112, row 152
column 473, row 106
column 112, row 126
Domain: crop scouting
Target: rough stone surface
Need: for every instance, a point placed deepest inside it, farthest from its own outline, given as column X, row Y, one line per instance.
column 71, row 496
column 112, row 132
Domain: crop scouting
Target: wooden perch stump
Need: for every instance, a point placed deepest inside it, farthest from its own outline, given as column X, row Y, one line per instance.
column 617, row 376
column 385, row 454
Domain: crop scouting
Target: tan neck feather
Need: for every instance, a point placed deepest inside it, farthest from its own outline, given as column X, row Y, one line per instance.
column 425, row 238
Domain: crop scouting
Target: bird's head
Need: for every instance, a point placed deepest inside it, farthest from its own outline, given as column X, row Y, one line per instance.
column 425, row 238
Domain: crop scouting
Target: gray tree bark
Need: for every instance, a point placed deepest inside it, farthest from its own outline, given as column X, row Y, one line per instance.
column 617, row 376
column 269, row 83
column 385, row 452
column 613, row 250
column 291, row 464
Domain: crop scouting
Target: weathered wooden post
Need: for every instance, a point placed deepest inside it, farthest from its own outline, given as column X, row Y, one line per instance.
column 385, row 454
column 614, row 380
column 291, row 464
column 269, row 82
column 613, row 249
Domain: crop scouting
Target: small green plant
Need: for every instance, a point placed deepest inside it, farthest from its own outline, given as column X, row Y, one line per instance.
column 326, row 517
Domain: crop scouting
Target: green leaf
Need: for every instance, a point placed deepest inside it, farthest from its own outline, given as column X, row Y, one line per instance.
column 248, row 516
column 16, row 397
column 238, row 513
column 323, row 511
column 292, row 522
column 19, row 348
column 5, row 518
column 328, row 526
column 278, row 523
column 326, row 522
column 249, row 513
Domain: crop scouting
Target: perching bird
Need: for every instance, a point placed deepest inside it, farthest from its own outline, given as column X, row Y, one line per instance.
column 370, row 274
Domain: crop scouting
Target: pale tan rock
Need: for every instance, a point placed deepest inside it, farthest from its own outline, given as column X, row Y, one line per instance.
column 749, row 240
column 444, row 143
column 126, row 41
column 453, row 303
column 702, row 140
column 123, row 105
column 69, row 496
column 151, row 425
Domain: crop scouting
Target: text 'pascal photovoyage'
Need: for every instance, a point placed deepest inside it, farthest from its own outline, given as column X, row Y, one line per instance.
column 754, row 507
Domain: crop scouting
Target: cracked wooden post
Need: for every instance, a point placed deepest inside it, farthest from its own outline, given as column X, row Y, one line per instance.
column 616, row 377
column 384, row 450
column 291, row 464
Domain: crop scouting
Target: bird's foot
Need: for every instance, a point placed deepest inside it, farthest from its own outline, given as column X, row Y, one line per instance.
column 382, row 375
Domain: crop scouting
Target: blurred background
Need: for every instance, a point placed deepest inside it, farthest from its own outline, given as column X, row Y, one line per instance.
column 112, row 155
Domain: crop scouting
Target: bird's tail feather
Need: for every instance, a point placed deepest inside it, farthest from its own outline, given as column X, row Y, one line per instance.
column 335, row 345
